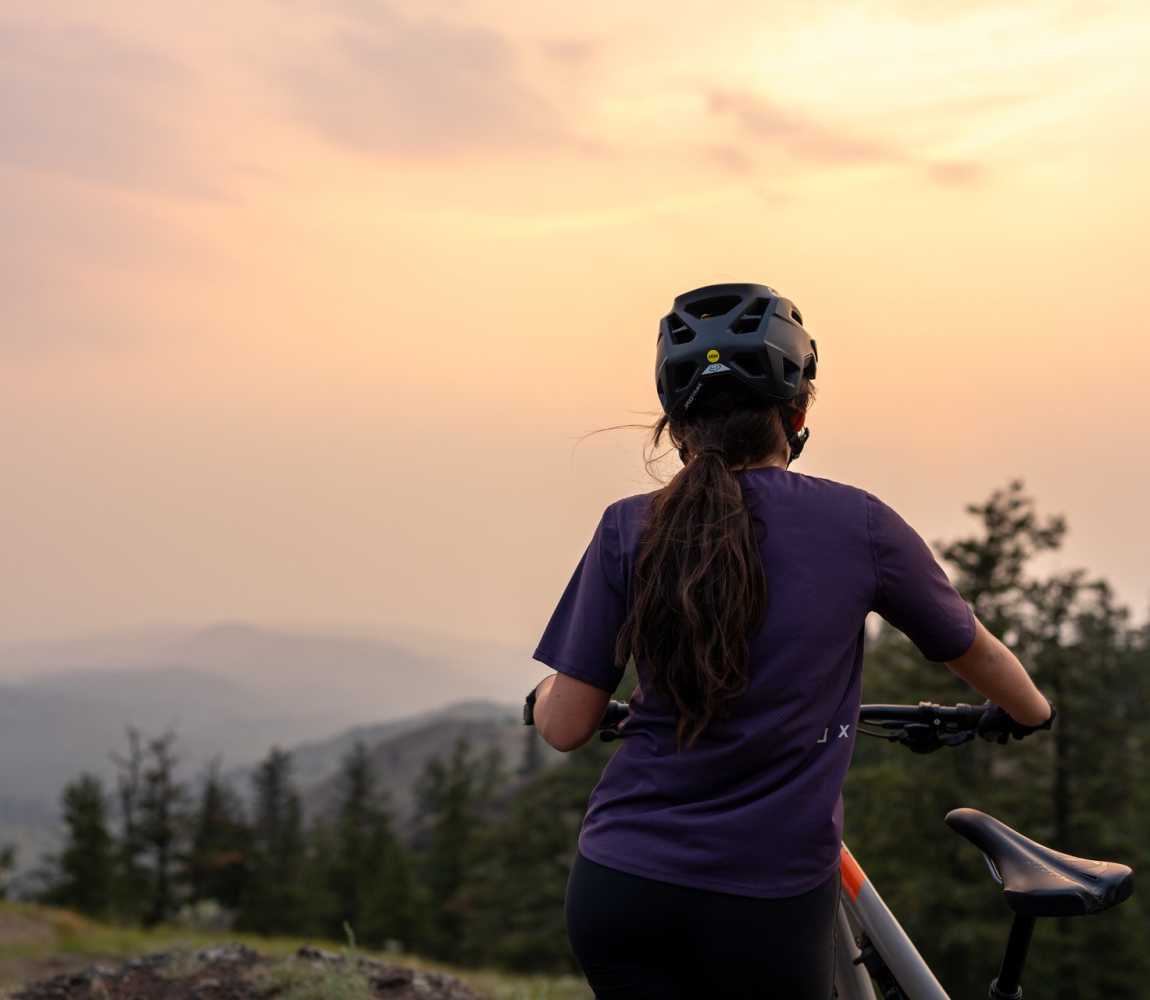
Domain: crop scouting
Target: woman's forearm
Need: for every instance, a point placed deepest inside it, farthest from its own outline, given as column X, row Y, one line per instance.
column 996, row 673
column 568, row 711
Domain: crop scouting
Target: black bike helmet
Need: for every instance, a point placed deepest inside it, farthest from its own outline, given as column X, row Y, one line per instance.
column 748, row 332
column 741, row 331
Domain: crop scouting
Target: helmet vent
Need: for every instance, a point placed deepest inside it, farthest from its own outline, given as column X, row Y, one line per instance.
column 679, row 331
column 752, row 318
column 750, row 364
column 791, row 372
column 681, row 375
column 796, row 316
column 716, row 305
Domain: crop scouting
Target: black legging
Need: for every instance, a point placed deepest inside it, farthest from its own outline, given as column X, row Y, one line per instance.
column 636, row 938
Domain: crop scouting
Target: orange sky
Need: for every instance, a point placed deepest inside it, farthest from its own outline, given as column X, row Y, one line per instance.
column 304, row 304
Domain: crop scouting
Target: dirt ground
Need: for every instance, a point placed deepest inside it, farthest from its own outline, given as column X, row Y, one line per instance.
column 21, row 929
column 238, row 973
column 18, row 929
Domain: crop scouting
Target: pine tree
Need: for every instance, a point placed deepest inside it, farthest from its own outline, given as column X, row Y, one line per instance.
column 511, row 899
column 453, row 801
column 355, row 831
column 274, row 898
column 7, row 865
column 369, row 883
column 218, row 857
column 162, row 820
column 85, row 867
column 1075, row 787
column 130, row 882
column 532, row 760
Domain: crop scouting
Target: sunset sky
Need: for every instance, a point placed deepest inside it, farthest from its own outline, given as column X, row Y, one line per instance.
column 304, row 305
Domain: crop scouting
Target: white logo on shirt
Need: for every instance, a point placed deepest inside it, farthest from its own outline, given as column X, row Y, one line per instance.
column 844, row 733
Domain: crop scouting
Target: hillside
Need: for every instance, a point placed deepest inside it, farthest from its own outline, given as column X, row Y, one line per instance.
column 357, row 678
column 39, row 943
column 230, row 691
column 402, row 749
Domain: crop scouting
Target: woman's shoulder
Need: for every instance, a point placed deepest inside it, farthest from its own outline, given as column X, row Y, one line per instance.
column 631, row 508
column 804, row 484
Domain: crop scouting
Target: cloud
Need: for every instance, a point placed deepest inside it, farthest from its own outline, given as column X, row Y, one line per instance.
column 573, row 53
column 412, row 86
column 804, row 140
column 78, row 101
column 956, row 173
column 799, row 137
column 731, row 157
column 71, row 257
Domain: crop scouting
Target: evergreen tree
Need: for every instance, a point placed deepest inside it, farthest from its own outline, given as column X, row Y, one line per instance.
column 512, row 894
column 1074, row 788
column 84, row 869
column 130, row 882
column 7, row 864
column 161, row 822
column 356, row 837
column 218, row 861
column 368, row 878
column 532, row 753
column 510, row 902
column 274, row 898
column 454, row 799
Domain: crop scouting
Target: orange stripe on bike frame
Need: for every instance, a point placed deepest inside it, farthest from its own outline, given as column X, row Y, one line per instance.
column 853, row 876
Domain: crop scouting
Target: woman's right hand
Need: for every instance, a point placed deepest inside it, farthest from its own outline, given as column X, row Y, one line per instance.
column 997, row 725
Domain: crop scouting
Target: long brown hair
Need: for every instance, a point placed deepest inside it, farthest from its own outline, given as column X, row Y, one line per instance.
column 700, row 589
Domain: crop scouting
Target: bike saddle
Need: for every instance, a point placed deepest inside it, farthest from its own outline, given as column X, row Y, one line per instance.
column 1036, row 880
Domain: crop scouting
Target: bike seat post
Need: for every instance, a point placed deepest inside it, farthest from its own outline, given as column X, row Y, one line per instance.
column 1008, row 984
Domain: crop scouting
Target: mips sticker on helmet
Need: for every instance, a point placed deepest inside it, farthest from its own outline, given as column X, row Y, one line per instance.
column 712, row 355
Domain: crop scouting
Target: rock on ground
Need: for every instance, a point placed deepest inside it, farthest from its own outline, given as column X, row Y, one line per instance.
column 234, row 972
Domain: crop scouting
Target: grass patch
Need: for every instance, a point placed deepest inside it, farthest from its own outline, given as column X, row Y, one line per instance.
column 299, row 980
column 71, row 934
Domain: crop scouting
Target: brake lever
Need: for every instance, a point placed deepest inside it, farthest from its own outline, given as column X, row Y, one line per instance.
column 921, row 738
column 610, row 735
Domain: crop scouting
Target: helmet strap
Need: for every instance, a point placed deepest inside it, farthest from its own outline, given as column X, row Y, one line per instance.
column 796, row 440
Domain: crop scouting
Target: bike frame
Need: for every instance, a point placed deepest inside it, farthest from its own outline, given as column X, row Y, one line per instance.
column 887, row 952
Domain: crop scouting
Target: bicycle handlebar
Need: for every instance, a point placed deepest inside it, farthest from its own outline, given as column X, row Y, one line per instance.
column 922, row 728
column 617, row 712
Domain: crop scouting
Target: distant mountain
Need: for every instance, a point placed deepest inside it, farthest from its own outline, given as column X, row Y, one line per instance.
column 52, row 729
column 230, row 690
column 354, row 677
column 402, row 750
column 313, row 763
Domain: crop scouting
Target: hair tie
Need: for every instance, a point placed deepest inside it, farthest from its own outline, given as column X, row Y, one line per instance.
column 713, row 451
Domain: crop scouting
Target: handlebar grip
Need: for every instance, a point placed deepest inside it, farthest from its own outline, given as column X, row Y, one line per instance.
column 970, row 713
column 615, row 713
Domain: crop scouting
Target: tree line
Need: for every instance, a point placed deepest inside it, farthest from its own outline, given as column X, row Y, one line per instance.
column 481, row 876
column 477, row 879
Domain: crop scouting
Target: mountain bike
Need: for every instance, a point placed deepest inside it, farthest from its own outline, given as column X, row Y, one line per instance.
column 872, row 951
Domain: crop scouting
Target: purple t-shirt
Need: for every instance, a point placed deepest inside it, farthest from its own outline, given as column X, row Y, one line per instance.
column 755, row 806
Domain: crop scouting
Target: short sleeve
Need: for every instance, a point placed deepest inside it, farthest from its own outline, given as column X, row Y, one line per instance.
column 580, row 637
column 912, row 592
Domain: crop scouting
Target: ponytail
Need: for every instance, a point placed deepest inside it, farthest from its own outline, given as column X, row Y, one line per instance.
column 700, row 588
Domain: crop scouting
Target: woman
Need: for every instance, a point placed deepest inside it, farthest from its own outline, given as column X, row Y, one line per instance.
column 708, row 858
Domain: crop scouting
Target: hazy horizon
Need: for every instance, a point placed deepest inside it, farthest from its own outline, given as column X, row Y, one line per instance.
column 304, row 306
